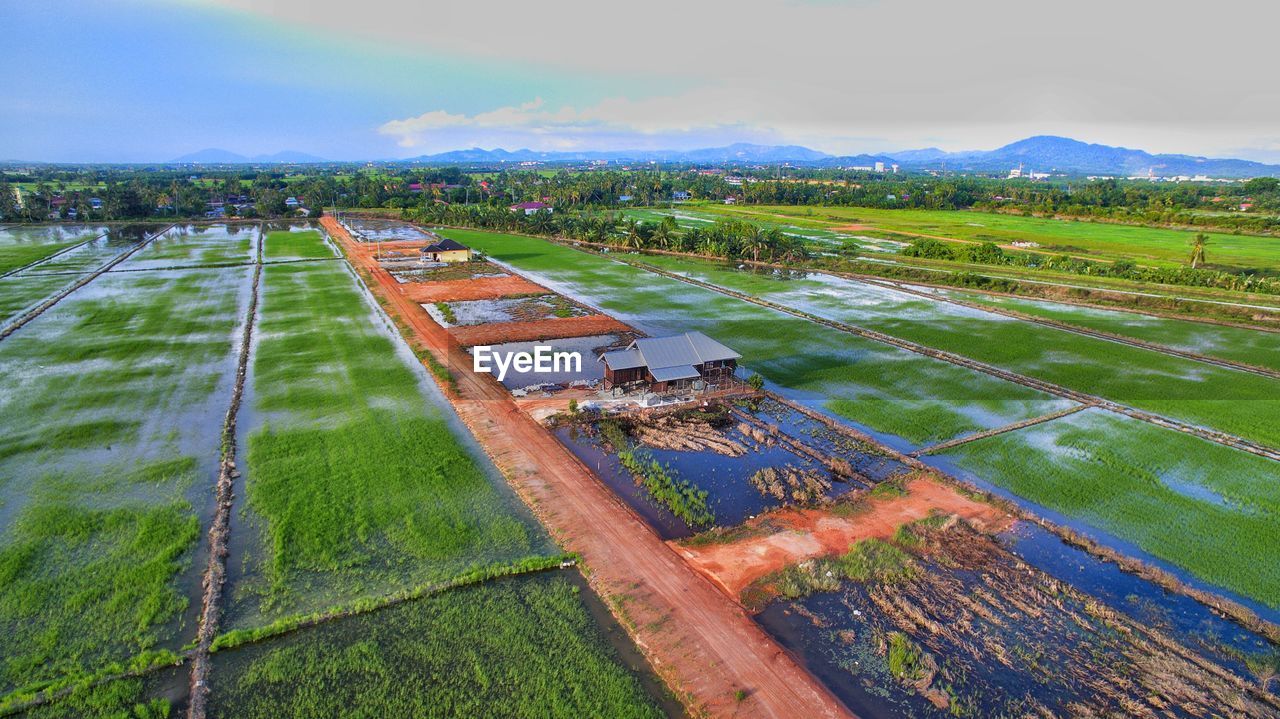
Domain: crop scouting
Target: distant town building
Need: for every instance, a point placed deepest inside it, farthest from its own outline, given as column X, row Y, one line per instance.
column 530, row 208
column 879, row 167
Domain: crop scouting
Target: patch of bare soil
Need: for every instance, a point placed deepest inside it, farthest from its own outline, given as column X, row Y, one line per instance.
column 552, row 328
column 790, row 535
column 478, row 288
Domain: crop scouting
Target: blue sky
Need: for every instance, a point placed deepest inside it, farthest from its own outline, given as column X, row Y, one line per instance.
column 139, row 80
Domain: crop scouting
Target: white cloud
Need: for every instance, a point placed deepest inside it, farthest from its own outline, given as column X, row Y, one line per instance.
column 1164, row 75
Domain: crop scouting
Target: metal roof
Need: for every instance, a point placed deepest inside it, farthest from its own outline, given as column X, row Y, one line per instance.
column 623, row 359
column 444, row 245
column 690, row 348
column 668, row 374
column 669, row 358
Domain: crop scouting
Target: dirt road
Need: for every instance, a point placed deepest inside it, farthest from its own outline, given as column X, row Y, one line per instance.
column 704, row 645
column 793, row 535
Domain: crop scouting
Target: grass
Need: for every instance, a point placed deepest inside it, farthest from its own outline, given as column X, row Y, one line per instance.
column 296, row 244
column 355, row 479
column 120, row 699
column 1145, row 245
column 514, row 648
column 1209, row 509
column 868, row 560
column 112, row 424
column 886, row 389
column 1232, row 401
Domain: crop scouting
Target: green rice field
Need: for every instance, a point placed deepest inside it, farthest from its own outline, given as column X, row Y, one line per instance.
column 1251, row 347
column 296, row 242
column 1229, row 400
column 357, row 484
column 112, row 402
column 915, row 398
column 195, row 245
column 22, row 245
column 1146, row 245
column 521, row 647
column 1209, row 509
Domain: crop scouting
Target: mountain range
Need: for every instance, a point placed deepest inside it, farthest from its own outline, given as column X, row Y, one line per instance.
column 215, row 156
column 1042, row 153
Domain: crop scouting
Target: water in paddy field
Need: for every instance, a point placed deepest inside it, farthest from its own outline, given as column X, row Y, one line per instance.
column 373, row 229
column 1020, row 624
column 512, row 309
column 726, row 478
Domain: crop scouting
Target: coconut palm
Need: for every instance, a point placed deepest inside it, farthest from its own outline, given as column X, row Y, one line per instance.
column 1197, row 249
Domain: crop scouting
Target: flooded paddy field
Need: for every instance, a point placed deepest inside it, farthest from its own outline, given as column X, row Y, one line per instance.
column 906, row 399
column 525, row 646
column 818, row 236
column 1226, row 399
column 1252, row 347
column 295, row 241
column 372, row 229
column 696, row 468
column 505, row 309
column 113, row 399
column 942, row 620
column 1208, row 510
column 359, row 481
column 22, row 245
column 26, row 289
column 187, row 245
column 157, row 695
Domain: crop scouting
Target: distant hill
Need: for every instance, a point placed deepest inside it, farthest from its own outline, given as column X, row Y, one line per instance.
column 1043, row 153
column 1047, row 153
column 216, row 156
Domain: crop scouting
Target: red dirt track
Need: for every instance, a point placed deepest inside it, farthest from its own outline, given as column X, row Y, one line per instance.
column 800, row 534
column 496, row 333
column 478, row 288
column 703, row 644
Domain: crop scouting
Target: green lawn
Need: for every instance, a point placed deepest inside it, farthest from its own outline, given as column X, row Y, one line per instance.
column 356, row 483
column 1210, row 509
column 889, row 390
column 512, row 648
column 1145, row 245
column 112, row 412
column 1230, row 400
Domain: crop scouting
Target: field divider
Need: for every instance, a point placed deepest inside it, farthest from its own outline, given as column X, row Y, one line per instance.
column 63, row 294
column 210, row 266
column 1075, row 329
column 952, row 443
column 59, row 253
column 215, row 574
column 1223, row 438
column 530, row 565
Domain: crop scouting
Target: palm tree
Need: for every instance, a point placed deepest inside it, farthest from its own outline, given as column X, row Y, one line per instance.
column 1197, row 249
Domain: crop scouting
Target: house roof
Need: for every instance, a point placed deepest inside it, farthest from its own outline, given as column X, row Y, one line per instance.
column 670, row 358
column 444, row 245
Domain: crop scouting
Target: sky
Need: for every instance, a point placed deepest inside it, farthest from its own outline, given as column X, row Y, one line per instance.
column 148, row 81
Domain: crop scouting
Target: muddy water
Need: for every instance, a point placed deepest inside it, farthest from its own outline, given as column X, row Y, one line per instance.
column 726, row 479
column 1062, row 649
